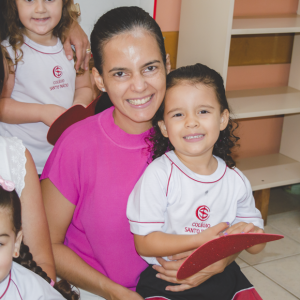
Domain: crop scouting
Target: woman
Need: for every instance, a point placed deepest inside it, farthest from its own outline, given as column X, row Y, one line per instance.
column 96, row 163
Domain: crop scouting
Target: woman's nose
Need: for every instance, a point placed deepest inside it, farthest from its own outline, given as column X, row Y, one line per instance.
column 139, row 83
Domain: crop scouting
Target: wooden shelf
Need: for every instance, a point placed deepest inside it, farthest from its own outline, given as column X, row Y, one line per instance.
column 264, row 102
column 284, row 24
column 270, row 171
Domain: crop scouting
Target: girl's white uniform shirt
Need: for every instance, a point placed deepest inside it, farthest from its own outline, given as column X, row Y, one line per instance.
column 171, row 198
column 43, row 76
column 23, row 284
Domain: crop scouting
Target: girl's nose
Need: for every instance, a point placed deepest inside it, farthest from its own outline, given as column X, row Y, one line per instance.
column 40, row 6
column 192, row 121
column 139, row 83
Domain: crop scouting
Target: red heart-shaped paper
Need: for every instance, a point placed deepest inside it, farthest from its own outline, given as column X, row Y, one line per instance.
column 220, row 248
column 71, row 116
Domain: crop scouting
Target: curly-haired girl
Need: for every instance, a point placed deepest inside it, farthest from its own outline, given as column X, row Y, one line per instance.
column 20, row 277
column 192, row 186
column 42, row 82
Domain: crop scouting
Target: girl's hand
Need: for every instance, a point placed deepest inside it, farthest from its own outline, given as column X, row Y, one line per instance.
column 77, row 37
column 243, row 227
column 168, row 270
column 50, row 112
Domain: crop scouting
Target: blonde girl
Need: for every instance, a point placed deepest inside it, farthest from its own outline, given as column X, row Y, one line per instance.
column 43, row 82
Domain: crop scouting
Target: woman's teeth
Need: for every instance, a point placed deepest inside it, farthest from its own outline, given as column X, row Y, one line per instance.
column 140, row 101
column 193, row 137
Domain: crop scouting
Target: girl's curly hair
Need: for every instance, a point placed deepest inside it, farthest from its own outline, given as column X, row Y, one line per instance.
column 196, row 74
column 14, row 29
column 11, row 201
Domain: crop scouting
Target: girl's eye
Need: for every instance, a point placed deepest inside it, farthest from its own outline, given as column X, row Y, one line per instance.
column 203, row 112
column 178, row 115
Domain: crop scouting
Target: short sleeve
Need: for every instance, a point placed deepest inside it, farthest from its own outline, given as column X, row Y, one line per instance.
column 246, row 210
column 17, row 163
column 63, row 166
column 147, row 202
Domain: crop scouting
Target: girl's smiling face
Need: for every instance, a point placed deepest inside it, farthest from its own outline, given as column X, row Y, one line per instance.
column 134, row 76
column 193, row 119
column 9, row 243
column 39, row 17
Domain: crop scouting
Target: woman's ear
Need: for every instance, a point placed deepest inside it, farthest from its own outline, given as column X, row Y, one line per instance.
column 163, row 129
column 18, row 244
column 168, row 63
column 98, row 80
column 224, row 119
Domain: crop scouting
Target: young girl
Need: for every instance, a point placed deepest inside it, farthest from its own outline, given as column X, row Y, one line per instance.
column 22, row 279
column 43, row 82
column 193, row 187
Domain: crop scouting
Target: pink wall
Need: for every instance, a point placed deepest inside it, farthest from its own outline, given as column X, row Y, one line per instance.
column 168, row 14
column 244, row 8
column 257, row 76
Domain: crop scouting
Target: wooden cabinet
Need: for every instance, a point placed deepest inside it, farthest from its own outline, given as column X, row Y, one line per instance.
column 206, row 27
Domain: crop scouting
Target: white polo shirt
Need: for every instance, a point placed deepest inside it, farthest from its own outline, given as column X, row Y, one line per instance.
column 23, row 284
column 171, row 198
column 43, row 76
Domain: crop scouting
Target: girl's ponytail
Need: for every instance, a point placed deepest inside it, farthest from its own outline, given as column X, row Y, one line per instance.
column 25, row 259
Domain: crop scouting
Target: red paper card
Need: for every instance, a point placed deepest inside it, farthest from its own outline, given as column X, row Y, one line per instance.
column 71, row 116
column 220, row 248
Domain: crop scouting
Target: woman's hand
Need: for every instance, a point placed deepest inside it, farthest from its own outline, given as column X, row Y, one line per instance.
column 168, row 270
column 125, row 294
column 50, row 112
column 79, row 39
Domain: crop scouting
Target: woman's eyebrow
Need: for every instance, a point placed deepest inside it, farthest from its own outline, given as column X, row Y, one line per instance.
column 150, row 63
column 120, row 69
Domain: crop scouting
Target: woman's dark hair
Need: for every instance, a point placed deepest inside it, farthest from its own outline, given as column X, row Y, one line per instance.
column 196, row 74
column 117, row 21
column 11, row 201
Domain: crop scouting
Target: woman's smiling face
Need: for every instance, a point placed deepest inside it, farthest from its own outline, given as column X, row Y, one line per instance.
column 134, row 76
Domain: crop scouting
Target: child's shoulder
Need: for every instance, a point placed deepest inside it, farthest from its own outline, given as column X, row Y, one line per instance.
column 159, row 166
column 32, row 286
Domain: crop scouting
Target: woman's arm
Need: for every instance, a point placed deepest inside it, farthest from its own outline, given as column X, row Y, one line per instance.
column 68, row 264
column 15, row 112
column 83, row 89
column 34, row 222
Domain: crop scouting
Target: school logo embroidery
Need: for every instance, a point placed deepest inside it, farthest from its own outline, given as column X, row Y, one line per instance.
column 57, row 71
column 202, row 212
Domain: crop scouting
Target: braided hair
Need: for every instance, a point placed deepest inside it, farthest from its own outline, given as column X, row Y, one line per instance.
column 196, row 74
column 11, row 201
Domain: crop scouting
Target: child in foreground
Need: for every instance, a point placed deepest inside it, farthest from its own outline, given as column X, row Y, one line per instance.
column 22, row 278
column 192, row 186
column 42, row 83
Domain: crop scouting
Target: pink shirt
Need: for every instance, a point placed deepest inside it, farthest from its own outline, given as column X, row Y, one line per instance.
column 95, row 165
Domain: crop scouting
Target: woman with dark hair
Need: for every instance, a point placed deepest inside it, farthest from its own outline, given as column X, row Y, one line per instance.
column 96, row 163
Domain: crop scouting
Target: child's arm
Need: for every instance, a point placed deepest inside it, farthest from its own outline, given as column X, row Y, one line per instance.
column 83, row 89
column 15, row 112
column 163, row 244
